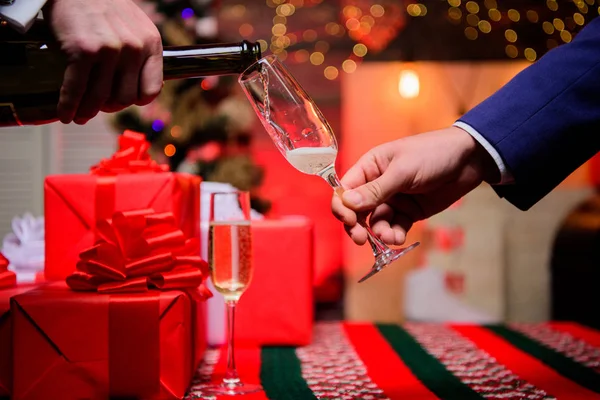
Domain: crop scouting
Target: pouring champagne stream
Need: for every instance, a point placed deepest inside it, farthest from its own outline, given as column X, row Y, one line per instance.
column 304, row 137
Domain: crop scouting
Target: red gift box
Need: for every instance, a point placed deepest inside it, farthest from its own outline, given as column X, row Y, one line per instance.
column 111, row 336
column 8, row 289
column 129, row 180
column 278, row 307
column 80, row 345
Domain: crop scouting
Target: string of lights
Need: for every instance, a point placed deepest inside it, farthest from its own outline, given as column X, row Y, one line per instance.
column 481, row 17
column 373, row 25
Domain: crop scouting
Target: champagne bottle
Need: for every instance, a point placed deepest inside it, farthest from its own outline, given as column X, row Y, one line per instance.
column 32, row 69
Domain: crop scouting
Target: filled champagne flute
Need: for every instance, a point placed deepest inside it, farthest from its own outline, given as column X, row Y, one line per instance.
column 303, row 135
column 230, row 263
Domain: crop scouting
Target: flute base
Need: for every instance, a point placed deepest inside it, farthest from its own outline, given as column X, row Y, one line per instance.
column 385, row 259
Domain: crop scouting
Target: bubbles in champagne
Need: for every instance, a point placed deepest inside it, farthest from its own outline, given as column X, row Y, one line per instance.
column 306, row 132
column 264, row 77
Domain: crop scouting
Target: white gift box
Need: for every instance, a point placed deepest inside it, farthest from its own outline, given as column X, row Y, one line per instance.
column 24, row 247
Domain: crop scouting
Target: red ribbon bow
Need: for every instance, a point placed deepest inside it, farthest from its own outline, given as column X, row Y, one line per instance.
column 132, row 157
column 7, row 278
column 139, row 250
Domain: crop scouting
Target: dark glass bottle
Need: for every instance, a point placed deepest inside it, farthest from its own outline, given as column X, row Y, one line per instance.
column 32, row 70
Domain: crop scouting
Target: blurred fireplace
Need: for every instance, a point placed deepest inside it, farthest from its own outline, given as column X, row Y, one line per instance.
column 575, row 265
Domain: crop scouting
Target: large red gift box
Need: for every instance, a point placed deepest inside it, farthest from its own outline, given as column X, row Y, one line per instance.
column 278, row 307
column 129, row 180
column 82, row 345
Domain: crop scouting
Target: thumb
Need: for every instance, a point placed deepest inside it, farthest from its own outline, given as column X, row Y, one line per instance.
column 371, row 194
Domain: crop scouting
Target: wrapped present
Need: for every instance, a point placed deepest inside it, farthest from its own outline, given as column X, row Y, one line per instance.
column 129, row 180
column 24, row 247
column 129, row 323
column 8, row 289
column 277, row 308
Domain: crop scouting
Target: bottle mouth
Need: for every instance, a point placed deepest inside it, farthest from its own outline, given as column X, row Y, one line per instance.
column 254, row 68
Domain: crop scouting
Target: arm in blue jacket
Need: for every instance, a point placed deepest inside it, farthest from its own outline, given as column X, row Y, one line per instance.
column 545, row 122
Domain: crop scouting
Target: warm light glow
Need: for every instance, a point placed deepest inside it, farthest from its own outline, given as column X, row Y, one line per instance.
column 285, row 10
column 510, row 35
column 471, row 33
column 279, row 29
column 512, row 51
column 566, row 36
column 176, row 131
column 352, row 24
column 309, row 35
column 322, row 46
column 317, row 58
column 530, row 54
column 238, row 10
column 352, row 12
column 263, row 45
column 331, row 73
column 455, row 13
column 301, row 55
column 278, row 19
column 559, row 24
column 552, row 5
column 548, row 27
column 485, row 26
column 454, row 3
column 349, row 66
column 367, row 19
column 409, row 85
column 472, row 7
column 246, row 30
column 533, row 16
column 472, row 19
column 514, row 15
column 495, row 15
column 579, row 19
column 377, row 10
column 360, row 50
column 170, row 150
column 490, row 4
column 332, row 28
column 293, row 39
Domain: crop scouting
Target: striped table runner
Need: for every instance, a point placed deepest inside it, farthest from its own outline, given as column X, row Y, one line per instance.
column 421, row 361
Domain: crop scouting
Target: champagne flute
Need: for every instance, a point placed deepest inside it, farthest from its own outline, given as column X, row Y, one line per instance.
column 230, row 262
column 303, row 135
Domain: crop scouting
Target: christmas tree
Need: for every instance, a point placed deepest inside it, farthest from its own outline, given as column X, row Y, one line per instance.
column 204, row 125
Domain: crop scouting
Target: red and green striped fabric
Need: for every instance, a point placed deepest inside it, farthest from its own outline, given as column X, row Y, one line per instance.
column 422, row 361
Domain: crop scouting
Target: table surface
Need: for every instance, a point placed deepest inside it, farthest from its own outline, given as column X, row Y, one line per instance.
column 421, row 361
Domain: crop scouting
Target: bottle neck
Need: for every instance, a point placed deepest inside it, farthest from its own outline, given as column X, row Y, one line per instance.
column 207, row 60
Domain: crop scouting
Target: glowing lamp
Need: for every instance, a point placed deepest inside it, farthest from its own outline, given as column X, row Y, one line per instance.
column 408, row 85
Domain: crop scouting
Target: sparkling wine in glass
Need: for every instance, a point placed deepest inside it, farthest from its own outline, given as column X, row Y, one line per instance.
column 230, row 262
column 303, row 135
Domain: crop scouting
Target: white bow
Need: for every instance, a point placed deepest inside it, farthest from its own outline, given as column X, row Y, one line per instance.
column 24, row 246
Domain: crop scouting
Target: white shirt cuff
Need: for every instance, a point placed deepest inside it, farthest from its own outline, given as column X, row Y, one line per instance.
column 505, row 175
column 22, row 13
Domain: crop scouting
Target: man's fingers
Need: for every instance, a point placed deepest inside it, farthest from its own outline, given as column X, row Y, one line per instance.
column 357, row 233
column 341, row 212
column 99, row 85
column 73, row 87
column 151, row 77
column 125, row 87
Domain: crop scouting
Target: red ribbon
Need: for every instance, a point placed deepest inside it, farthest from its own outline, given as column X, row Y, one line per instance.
column 132, row 157
column 7, row 278
column 139, row 250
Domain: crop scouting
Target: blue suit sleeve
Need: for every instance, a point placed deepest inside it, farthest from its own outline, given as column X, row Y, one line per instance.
column 545, row 122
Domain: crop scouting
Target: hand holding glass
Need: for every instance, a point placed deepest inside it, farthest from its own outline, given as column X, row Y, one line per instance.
column 302, row 135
